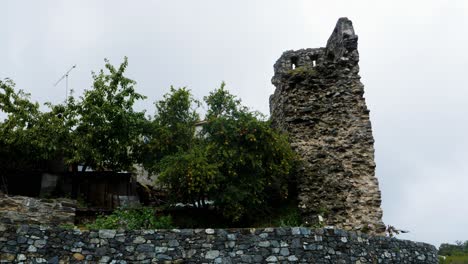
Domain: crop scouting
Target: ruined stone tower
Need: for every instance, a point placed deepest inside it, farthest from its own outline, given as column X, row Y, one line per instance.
column 319, row 102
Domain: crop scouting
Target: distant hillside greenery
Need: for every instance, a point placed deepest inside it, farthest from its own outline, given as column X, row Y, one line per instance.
column 456, row 254
column 230, row 160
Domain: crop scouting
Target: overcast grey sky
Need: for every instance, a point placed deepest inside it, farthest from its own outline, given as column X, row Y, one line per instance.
column 414, row 67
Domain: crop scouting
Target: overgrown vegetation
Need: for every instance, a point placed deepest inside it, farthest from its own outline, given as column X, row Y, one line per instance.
column 107, row 129
column 100, row 129
column 302, row 72
column 132, row 219
column 237, row 161
column 236, row 164
column 285, row 215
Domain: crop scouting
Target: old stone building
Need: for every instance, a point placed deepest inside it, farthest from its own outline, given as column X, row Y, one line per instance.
column 319, row 102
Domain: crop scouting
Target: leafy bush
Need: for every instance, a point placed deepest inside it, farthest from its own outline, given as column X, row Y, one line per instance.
column 290, row 217
column 237, row 161
column 172, row 129
column 191, row 175
column 67, row 226
column 131, row 219
column 254, row 161
column 100, row 129
column 286, row 215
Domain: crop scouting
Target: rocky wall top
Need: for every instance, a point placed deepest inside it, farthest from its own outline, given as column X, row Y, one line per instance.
column 32, row 244
column 343, row 42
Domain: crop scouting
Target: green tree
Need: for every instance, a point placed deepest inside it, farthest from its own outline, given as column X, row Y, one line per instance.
column 191, row 176
column 108, row 130
column 100, row 130
column 172, row 129
column 238, row 161
column 28, row 136
column 223, row 104
column 255, row 160
column 17, row 148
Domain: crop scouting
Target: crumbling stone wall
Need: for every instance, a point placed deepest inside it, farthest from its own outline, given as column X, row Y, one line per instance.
column 32, row 244
column 27, row 210
column 319, row 102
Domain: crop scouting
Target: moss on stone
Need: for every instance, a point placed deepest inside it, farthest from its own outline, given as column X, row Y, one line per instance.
column 303, row 72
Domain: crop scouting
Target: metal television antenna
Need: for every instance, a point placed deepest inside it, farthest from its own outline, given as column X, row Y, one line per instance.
column 65, row 76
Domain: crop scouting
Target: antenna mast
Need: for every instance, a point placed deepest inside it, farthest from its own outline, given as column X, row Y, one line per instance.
column 65, row 76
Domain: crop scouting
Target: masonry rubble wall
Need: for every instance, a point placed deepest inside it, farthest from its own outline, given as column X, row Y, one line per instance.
column 28, row 210
column 34, row 244
column 319, row 103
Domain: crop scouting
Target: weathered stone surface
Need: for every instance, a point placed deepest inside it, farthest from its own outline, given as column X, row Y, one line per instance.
column 78, row 256
column 319, row 102
column 210, row 231
column 7, row 257
column 145, row 248
column 21, row 257
column 32, row 248
column 28, row 210
column 139, row 240
column 104, row 233
column 212, row 254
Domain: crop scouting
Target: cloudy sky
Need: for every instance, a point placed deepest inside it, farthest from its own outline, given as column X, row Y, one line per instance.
column 414, row 65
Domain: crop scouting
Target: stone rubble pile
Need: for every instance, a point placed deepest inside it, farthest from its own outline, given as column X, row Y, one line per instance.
column 36, row 211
